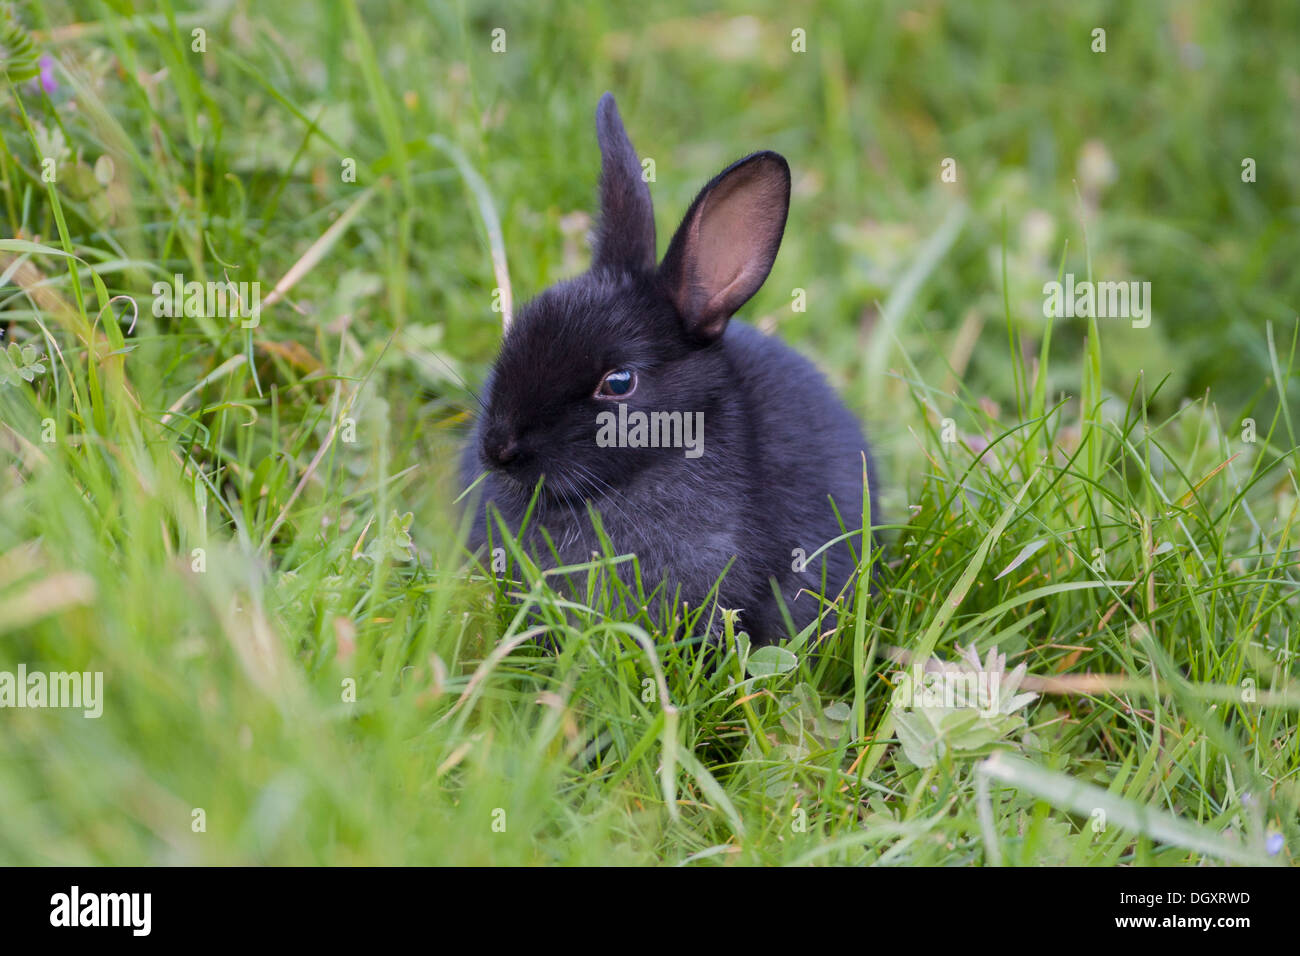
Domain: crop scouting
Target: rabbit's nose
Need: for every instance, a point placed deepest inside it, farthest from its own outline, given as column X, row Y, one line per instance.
column 501, row 447
column 505, row 452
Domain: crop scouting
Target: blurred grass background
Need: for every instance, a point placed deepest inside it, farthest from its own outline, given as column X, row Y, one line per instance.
column 180, row 434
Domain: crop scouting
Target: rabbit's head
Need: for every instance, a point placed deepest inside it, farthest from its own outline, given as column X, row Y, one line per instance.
column 629, row 331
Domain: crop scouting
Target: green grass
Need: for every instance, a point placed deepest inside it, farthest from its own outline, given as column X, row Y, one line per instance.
column 212, row 516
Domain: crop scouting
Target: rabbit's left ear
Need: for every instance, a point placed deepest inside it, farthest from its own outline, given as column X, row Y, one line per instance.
column 625, row 236
column 726, row 245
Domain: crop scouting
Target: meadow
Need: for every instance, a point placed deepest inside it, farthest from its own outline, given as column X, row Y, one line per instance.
column 240, row 509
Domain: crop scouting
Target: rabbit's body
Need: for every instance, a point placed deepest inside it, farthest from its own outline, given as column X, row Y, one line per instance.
column 752, row 494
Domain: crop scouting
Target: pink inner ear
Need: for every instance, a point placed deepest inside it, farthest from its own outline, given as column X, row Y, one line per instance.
column 735, row 230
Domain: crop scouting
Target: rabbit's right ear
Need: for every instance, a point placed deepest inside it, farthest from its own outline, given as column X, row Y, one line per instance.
column 625, row 236
column 725, row 247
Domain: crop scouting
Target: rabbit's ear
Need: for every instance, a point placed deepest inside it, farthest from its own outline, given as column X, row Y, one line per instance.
column 625, row 236
column 727, row 243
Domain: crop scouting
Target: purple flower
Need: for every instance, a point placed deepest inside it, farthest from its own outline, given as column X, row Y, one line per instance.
column 45, row 78
column 1274, row 844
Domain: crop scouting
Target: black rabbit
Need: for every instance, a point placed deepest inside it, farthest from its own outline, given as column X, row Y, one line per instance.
column 760, row 444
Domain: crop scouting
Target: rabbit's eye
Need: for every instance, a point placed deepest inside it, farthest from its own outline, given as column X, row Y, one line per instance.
column 619, row 383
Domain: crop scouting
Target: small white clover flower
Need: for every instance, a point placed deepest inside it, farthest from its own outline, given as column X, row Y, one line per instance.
column 959, row 706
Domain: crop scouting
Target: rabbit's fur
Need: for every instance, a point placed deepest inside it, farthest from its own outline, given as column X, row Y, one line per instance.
column 777, row 441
